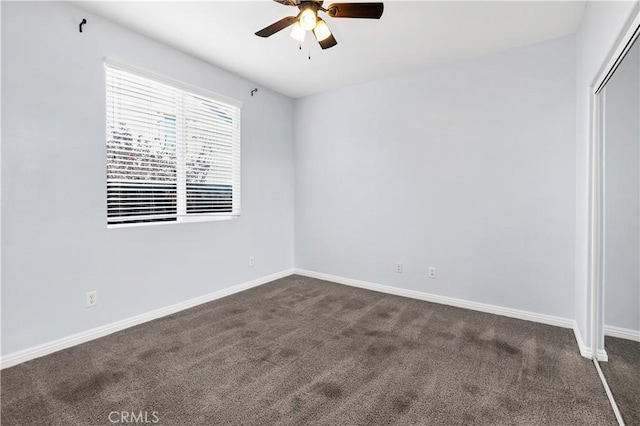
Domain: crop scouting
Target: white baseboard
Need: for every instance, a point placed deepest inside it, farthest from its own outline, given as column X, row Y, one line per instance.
column 19, row 357
column 28, row 354
column 622, row 333
column 443, row 300
column 585, row 350
column 460, row 303
column 601, row 355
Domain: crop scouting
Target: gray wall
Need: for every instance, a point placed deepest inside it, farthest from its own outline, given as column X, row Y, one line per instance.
column 55, row 243
column 601, row 25
column 469, row 168
column 622, row 194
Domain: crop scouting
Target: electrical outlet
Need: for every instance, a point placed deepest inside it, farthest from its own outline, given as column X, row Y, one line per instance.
column 399, row 268
column 251, row 261
column 433, row 272
column 92, row 298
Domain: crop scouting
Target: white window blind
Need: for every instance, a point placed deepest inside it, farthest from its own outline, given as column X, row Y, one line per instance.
column 172, row 154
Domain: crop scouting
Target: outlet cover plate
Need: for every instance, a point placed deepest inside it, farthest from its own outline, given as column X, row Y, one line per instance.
column 92, row 299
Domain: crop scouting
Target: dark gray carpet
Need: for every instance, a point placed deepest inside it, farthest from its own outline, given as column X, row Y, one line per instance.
column 303, row 351
column 623, row 376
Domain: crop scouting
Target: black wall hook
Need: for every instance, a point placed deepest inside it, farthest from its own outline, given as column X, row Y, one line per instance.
column 254, row 91
column 84, row 21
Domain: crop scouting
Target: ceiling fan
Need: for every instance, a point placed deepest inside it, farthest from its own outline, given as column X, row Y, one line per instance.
column 308, row 20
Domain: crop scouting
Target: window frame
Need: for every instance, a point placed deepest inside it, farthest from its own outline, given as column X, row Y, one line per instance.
column 194, row 90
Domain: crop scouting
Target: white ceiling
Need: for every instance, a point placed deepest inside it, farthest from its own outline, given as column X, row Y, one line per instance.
column 410, row 36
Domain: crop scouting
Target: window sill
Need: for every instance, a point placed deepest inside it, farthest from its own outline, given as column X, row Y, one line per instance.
column 177, row 222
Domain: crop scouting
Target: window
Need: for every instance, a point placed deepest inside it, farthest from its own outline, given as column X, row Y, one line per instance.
column 173, row 153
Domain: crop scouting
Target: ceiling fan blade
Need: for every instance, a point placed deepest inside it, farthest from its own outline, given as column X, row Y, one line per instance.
column 286, row 2
column 356, row 10
column 328, row 42
column 277, row 26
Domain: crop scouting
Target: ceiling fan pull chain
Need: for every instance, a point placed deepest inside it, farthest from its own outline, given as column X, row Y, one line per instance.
column 309, row 44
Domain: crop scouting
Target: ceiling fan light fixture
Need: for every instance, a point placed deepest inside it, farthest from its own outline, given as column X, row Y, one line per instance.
column 308, row 19
column 321, row 31
column 297, row 32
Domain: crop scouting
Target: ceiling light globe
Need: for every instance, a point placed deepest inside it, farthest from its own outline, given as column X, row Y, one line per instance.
column 297, row 33
column 321, row 30
column 308, row 19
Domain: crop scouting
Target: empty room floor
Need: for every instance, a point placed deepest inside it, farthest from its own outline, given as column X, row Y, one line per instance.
column 304, row 351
